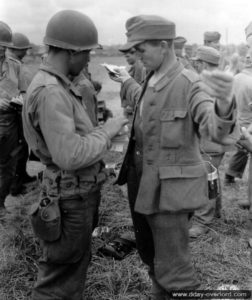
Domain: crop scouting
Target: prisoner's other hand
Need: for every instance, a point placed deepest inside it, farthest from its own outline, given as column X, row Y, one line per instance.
column 114, row 125
column 218, row 84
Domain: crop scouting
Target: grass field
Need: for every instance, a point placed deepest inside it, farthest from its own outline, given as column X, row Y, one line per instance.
column 221, row 256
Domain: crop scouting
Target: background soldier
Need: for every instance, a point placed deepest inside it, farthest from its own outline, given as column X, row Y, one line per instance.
column 243, row 92
column 212, row 39
column 207, row 58
column 179, row 43
column 15, row 53
column 8, row 124
column 59, row 131
column 136, row 71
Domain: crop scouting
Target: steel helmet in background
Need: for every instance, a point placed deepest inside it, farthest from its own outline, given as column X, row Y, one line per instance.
column 73, row 30
column 20, row 41
column 5, row 35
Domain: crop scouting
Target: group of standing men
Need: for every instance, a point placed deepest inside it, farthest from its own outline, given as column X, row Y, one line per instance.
column 13, row 84
column 163, row 167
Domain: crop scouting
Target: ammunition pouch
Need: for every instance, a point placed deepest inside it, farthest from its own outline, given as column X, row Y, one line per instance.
column 45, row 218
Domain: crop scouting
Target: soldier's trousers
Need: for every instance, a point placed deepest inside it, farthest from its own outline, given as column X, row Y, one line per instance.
column 7, row 172
column 162, row 243
column 8, row 143
column 63, row 265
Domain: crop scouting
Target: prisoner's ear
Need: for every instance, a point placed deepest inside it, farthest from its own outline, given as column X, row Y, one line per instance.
column 165, row 44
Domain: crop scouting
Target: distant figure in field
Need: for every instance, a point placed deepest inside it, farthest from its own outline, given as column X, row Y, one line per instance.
column 179, row 43
column 207, row 58
column 136, row 71
column 212, row 39
column 15, row 54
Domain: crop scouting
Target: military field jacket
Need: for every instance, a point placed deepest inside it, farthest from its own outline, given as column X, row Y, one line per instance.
column 174, row 176
column 57, row 126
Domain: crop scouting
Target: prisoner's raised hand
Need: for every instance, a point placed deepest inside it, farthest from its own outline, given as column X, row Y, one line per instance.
column 218, row 84
column 114, row 125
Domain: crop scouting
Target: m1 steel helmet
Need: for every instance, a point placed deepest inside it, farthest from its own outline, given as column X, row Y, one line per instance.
column 73, row 30
column 20, row 41
column 5, row 35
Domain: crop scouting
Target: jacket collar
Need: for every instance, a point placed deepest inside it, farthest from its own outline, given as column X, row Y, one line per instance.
column 169, row 76
column 66, row 82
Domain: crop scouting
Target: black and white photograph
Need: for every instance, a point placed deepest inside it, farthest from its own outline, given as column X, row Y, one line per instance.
column 125, row 141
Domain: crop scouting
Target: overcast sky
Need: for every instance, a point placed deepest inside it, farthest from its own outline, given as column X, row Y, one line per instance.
column 192, row 17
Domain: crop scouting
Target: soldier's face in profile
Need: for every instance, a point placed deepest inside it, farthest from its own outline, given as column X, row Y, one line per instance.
column 131, row 56
column 21, row 53
column 78, row 60
column 198, row 66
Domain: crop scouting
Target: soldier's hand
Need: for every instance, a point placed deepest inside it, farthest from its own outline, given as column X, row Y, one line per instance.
column 246, row 139
column 218, row 84
column 114, row 126
column 4, row 104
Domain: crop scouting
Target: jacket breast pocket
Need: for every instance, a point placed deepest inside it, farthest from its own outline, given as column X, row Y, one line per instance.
column 172, row 128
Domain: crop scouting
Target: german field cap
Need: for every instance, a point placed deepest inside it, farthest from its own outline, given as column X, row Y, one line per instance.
column 212, row 36
column 207, row 54
column 126, row 47
column 179, row 42
column 149, row 27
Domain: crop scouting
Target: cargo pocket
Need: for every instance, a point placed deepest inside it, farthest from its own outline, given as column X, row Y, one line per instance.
column 183, row 188
column 172, row 128
column 77, row 225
